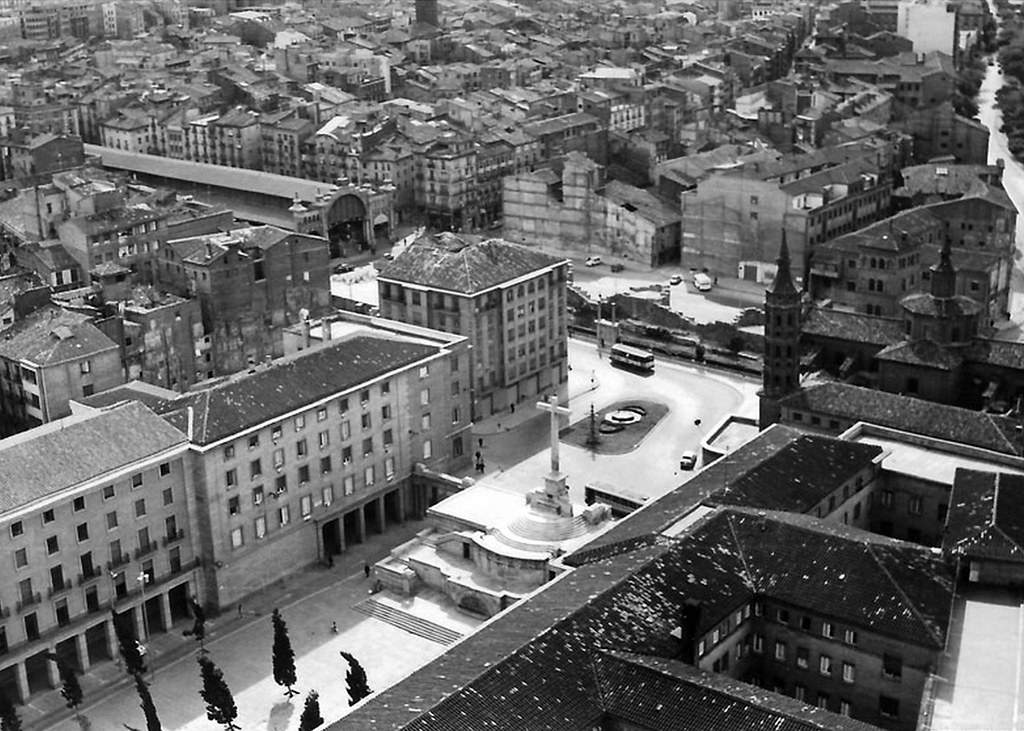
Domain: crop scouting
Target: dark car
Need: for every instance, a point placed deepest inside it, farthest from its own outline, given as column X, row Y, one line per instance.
column 343, row 268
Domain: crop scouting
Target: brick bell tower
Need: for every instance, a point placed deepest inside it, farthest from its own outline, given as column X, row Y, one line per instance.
column 781, row 375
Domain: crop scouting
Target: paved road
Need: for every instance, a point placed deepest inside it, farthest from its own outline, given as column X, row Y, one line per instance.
column 1013, row 182
column 690, row 392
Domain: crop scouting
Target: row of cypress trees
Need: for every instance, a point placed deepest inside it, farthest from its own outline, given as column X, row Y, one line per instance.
column 220, row 703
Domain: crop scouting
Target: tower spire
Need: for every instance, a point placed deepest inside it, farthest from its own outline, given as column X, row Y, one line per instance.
column 783, row 277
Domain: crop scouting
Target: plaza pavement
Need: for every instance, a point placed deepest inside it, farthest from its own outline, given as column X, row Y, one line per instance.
column 516, row 458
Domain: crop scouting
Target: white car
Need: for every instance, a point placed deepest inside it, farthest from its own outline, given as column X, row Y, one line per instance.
column 702, row 282
column 593, row 261
column 676, row 279
column 688, row 461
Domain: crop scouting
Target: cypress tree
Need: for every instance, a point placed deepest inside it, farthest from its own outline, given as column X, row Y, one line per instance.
column 9, row 720
column 355, row 679
column 283, row 658
column 311, row 717
column 147, row 706
column 220, row 704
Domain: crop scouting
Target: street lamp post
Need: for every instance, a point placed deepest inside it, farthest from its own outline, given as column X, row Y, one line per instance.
column 143, row 579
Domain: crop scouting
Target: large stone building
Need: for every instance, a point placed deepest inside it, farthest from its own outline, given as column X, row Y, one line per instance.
column 98, row 525
column 578, row 213
column 507, row 299
column 873, row 269
column 294, row 461
column 250, row 283
column 711, row 594
column 48, row 358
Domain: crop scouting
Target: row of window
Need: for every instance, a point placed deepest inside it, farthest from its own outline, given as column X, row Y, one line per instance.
column 888, row 706
column 282, row 515
column 78, row 504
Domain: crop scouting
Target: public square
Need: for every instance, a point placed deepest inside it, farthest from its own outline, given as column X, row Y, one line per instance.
column 516, row 459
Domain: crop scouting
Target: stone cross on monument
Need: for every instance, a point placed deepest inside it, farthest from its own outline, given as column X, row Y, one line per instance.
column 556, row 411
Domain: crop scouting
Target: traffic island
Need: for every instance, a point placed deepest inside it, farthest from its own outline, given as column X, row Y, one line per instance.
column 616, row 429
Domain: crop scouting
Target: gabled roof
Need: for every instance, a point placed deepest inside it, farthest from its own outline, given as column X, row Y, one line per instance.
column 70, row 451
column 853, row 326
column 905, row 413
column 537, row 666
column 923, row 354
column 464, row 264
column 798, row 476
column 249, row 399
column 986, row 515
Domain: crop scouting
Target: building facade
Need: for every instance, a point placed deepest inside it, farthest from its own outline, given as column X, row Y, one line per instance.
column 102, row 534
column 507, row 299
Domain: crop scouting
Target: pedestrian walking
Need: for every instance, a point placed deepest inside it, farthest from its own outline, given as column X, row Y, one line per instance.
column 330, row 560
column 366, row 570
column 239, row 609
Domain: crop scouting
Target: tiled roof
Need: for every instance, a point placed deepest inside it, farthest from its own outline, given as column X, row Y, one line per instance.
column 659, row 514
column 657, row 693
column 73, row 450
column 986, row 515
column 52, row 335
column 855, row 403
column 464, row 264
column 924, row 303
column 288, row 384
column 922, row 353
column 997, row 353
column 798, row 476
column 535, row 667
column 853, row 326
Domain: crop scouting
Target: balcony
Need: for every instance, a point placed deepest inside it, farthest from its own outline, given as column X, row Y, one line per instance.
column 84, row 578
column 146, row 549
column 59, row 589
column 29, row 601
column 173, row 537
column 125, row 558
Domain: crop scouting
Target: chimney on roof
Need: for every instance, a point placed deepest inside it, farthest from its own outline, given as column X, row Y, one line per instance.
column 689, row 630
column 209, row 250
column 190, row 428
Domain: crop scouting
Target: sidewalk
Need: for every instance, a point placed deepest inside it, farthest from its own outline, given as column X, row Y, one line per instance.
column 47, row 710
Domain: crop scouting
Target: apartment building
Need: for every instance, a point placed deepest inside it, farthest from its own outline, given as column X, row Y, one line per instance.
column 296, row 460
column 48, row 358
column 250, row 283
column 872, row 269
column 508, row 299
column 283, row 135
column 97, row 525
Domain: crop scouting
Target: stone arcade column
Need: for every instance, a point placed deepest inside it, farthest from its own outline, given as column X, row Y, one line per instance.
column 21, row 678
column 361, row 522
column 165, row 609
column 83, row 651
column 51, row 669
column 381, row 522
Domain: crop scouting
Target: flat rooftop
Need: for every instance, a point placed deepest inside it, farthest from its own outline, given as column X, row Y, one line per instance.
column 929, row 463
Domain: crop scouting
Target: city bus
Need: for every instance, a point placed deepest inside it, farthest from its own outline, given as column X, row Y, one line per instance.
column 622, row 502
column 627, row 356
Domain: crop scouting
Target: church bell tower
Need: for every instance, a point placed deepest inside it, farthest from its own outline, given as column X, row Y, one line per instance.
column 781, row 374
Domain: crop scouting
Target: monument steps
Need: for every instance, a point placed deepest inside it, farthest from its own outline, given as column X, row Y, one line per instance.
column 548, row 530
column 409, row 622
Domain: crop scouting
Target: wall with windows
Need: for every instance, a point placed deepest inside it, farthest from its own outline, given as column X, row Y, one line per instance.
column 268, row 490
column 911, row 508
column 75, row 555
column 820, row 661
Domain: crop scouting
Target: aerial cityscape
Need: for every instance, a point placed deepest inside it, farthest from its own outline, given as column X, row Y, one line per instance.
column 526, row 365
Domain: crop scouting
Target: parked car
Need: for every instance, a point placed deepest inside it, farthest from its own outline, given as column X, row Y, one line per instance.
column 617, row 267
column 676, row 279
column 343, row 268
column 702, row 282
column 688, row 461
column 593, row 261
